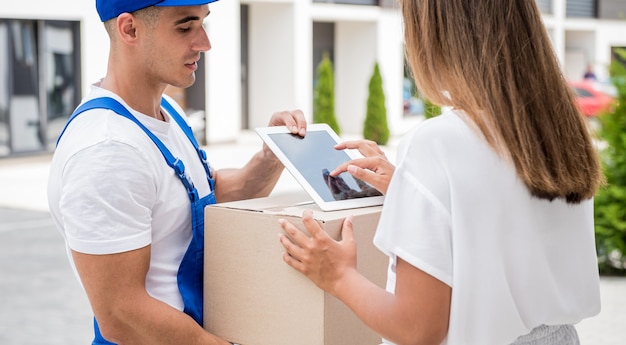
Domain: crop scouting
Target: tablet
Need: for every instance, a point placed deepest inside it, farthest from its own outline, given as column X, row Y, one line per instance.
column 310, row 159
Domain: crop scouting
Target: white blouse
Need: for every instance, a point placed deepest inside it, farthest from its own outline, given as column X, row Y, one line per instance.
column 458, row 211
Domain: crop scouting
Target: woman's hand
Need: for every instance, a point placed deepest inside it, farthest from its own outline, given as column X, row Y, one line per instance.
column 323, row 260
column 374, row 169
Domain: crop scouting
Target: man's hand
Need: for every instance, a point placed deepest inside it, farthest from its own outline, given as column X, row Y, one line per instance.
column 259, row 176
column 293, row 120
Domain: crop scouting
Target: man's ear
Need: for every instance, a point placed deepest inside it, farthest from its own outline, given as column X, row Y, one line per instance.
column 127, row 28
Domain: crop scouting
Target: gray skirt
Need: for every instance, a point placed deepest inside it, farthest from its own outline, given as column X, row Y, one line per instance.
column 550, row 335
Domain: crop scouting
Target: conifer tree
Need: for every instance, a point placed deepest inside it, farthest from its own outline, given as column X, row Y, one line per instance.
column 375, row 127
column 324, row 99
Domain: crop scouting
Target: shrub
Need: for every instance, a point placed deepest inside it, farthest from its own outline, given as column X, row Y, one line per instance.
column 324, row 99
column 430, row 109
column 610, row 201
column 375, row 127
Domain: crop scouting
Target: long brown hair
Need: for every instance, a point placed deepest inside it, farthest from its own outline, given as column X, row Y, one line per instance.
column 493, row 60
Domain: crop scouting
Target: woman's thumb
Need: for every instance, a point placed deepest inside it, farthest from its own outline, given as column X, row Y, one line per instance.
column 347, row 231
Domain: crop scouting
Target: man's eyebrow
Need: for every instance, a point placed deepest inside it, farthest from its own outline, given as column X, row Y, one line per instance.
column 186, row 19
column 189, row 19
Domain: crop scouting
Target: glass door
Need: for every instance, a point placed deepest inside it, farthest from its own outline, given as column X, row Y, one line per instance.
column 5, row 91
column 61, row 77
column 24, row 115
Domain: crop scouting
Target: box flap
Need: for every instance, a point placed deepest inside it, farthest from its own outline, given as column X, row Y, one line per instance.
column 292, row 204
column 274, row 201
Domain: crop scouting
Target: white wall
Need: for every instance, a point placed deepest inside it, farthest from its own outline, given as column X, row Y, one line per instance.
column 280, row 59
column 555, row 24
column 580, row 48
column 271, row 61
column 303, row 58
column 610, row 34
column 223, row 73
column 355, row 55
column 390, row 54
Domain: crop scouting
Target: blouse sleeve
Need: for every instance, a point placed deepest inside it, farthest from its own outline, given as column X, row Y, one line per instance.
column 415, row 223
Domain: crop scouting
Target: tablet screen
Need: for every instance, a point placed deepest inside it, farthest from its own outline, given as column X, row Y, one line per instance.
column 313, row 158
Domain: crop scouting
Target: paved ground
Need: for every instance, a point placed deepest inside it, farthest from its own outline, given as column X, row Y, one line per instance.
column 42, row 303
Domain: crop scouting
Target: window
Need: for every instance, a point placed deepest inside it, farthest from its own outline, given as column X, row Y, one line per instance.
column 39, row 82
column 581, row 8
column 612, row 9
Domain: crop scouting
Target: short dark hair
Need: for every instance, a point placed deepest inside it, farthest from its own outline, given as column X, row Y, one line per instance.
column 148, row 15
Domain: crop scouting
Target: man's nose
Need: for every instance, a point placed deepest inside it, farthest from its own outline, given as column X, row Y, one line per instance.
column 203, row 43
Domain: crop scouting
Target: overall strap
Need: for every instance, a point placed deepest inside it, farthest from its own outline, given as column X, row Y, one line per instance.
column 189, row 133
column 173, row 162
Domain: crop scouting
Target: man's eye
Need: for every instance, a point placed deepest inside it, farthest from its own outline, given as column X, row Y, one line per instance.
column 184, row 29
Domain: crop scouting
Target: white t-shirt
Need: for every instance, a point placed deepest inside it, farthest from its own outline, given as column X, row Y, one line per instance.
column 457, row 211
column 111, row 191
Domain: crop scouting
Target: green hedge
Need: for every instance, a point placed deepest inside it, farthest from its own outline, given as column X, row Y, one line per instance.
column 610, row 201
column 430, row 109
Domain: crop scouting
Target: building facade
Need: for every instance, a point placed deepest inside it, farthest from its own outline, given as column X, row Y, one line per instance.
column 585, row 33
column 264, row 57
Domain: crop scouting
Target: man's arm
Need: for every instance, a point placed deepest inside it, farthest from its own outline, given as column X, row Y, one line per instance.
column 126, row 313
column 258, row 177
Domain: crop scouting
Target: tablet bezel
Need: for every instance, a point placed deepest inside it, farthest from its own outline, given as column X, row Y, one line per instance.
column 333, row 205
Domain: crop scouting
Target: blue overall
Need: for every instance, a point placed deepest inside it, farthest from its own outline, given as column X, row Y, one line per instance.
column 190, row 272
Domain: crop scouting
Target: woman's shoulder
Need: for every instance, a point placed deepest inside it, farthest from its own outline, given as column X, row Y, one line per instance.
column 449, row 128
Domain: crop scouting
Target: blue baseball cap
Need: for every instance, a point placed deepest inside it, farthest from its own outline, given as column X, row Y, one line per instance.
column 109, row 9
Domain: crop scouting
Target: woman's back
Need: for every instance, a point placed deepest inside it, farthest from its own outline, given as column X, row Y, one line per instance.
column 460, row 213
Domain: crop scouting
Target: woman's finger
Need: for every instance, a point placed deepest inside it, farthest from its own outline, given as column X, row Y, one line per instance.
column 291, row 260
column 367, row 148
column 363, row 163
column 297, row 236
column 311, row 225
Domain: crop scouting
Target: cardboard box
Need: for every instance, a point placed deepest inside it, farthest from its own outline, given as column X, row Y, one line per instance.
column 252, row 297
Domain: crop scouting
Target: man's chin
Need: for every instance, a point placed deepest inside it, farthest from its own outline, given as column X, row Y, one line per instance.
column 183, row 84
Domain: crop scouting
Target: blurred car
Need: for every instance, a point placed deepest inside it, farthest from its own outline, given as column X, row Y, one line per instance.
column 590, row 98
column 412, row 104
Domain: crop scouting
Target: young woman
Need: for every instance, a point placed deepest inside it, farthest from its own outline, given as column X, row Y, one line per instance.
column 488, row 217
